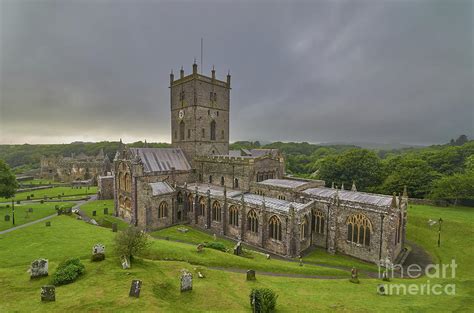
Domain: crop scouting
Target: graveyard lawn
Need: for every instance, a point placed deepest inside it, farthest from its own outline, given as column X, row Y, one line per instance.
column 105, row 286
column 319, row 256
column 62, row 192
column 22, row 215
column 104, row 220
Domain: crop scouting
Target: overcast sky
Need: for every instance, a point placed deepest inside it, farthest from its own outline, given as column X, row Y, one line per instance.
column 316, row 71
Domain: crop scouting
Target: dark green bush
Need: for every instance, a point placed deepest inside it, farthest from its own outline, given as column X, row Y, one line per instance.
column 67, row 272
column 216, row 245
column 263, row 300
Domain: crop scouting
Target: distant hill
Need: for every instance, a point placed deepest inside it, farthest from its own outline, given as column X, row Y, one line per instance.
column 374, row 145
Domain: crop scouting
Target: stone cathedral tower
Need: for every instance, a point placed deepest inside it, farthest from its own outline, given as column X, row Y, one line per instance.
column 200, row 113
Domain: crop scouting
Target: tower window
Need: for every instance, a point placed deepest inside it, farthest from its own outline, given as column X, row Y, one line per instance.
column 213, row 130
column 181, row 130
column 189, row 133
column 208, row 112
column 203, row 133
column 217, row 113
column 210, row 179
column 222, row 181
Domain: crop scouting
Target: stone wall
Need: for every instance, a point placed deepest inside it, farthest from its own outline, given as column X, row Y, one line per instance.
column 106, row 187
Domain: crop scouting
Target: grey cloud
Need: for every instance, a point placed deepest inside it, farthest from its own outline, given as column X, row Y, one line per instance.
column 304, row 71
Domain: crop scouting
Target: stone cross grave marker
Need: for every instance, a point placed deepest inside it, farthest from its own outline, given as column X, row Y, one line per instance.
column 186, row 281
column 251, row 275
column 135, row 288
column 48, row 293
column 38, row 268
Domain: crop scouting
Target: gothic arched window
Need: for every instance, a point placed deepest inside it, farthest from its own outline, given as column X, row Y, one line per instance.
column 213, row 130
column 234, row 216
column 179, row 198
column 359, row 228
column 236, row 183
column 216, row 211
column 304, row 228
column 252, row 221
column 181, row 130
column 222, row 181
column 191, row 202
column 318, row 222
column 210, row 179
column 127, row 182
column 163, row 210
column 202, row 206
column 274, row 225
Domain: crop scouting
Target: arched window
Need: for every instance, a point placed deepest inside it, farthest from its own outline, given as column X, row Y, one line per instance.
column 210, row 179
column 304, row 228
column 191, row 202
column 120, row 183
column 216, row 211
column 128, row 182
column 222, row 181
column 181, row 130
column 121, row 202
column 179, row 198
column 275, row 227
column 359, row 228
column 318, row 222
column 202, row 206
column 213, row 130
column 236, row 183
column 163, row 210
column 234, row 216
column 128, row 204
column 252, row 221
column 398, row 233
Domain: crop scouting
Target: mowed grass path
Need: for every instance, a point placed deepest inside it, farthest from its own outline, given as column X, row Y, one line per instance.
column 53, row 193
column 105, row 285
column 22, row 216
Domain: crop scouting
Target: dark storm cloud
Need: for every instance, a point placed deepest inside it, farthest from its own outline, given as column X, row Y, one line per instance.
column 306, row 71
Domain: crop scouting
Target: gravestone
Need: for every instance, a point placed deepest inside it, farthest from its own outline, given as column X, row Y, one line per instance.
column 125, row 262
column 238, row 248
column 114, row 227
column 94, row 222
column 251, row 275
column 135, row 288
column 98, row 252
column 94, row 213
column 106, row 211
column 268, row 256
column 48, row 293
column 354, row 276
column 30, row 210
column 186, row 281
column 7, row 218
column 48, row 223
column 200, row 275
column 38, row 268
column 214, row 237
column 301, row 261
column 183, row 229
column 200, row 248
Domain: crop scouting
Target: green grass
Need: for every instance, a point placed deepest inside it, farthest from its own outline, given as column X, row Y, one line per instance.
column 105, row 220
column 192, row 236
column 40, row 182
column 105, row 286
column 321, row 256
column 22, row 215
column 53, row 193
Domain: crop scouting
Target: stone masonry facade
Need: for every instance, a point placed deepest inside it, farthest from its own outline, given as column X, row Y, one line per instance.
column 245, row 194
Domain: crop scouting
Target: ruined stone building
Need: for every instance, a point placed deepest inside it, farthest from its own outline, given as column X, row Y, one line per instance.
column 244, row 194
column 75, row 168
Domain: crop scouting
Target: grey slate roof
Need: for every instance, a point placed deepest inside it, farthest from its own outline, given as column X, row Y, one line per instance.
column 286, row 183
column 162, row 159
column 271, row 203
column 216, row 191
column 160, row 188
column 354, row 196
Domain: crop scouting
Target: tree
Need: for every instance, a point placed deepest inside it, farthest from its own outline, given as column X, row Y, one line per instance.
column 131, row 242
column 409, row 171
column 361, row 166
column 8, row 183
column 454, row 188
column 461, row 140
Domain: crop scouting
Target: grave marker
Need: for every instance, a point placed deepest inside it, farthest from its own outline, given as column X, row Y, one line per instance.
column 48, row 293
column 135, row 288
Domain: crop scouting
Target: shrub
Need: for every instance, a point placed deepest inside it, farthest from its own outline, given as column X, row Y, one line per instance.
column 263, row 300
column 216, row 245
column 67, row 272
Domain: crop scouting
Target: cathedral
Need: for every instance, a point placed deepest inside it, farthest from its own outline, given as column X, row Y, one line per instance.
column 244, row 194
